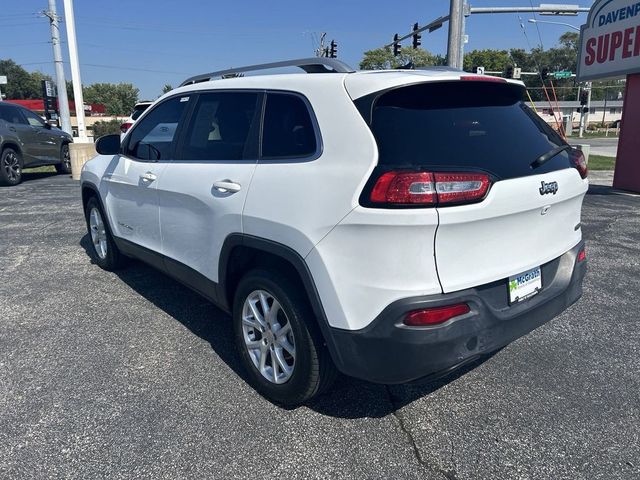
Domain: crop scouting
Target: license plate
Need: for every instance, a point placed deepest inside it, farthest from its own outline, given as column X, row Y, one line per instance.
column 525, row 285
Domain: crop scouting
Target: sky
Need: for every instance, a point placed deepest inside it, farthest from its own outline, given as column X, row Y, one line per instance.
column 156, row 42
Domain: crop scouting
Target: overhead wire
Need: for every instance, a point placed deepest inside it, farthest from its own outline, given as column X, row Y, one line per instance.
column 537, row 65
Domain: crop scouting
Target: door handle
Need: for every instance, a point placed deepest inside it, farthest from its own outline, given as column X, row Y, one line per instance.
column 148, row 177
column 227, row 186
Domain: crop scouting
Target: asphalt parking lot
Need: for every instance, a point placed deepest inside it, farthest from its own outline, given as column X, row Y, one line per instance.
column 132, row 375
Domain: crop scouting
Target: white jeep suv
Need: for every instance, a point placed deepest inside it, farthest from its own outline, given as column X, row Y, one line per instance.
column 390, row 225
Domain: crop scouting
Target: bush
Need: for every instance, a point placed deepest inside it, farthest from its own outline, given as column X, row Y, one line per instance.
column 101, row 128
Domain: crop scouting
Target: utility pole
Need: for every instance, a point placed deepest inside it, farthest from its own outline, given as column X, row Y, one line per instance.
column 63, row 101
column 584, row 115
column 464, row 38
column 454, row 49
column 75, row 68
column 321, row 50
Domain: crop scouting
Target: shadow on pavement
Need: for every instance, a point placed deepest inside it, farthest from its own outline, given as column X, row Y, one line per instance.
column 28, row 176
column 348, row 398
column 606, row 190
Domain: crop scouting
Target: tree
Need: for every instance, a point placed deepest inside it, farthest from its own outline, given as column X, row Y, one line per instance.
column 70, row 95
column 118, row 98
column 21, row 85
column 491, row 60
column 167, row 88
column 570, row 40
column 382, row 58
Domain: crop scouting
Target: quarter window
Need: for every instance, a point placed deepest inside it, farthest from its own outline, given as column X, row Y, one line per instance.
column 219, row 127
column 288, row 129
column 33, row 119
column 152, row 137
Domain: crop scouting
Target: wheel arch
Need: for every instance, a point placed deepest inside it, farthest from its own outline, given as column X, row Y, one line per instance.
column 89, row 190
column 241, row 253
column 11, row 144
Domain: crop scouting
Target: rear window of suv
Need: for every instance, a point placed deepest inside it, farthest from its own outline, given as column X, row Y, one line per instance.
column 138, row 110
column 476, row 125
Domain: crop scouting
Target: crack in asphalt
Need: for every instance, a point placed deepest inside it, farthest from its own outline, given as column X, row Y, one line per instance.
column 447, row 474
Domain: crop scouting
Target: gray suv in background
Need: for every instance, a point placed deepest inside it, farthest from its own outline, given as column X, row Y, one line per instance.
column 28, row 141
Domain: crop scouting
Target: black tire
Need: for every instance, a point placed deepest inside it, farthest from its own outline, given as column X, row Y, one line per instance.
column 313, row 370
column 10, row 167
column 65, row 160
column 111, row 259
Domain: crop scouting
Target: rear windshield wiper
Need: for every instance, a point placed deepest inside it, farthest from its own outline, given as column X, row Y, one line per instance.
column 545, row 157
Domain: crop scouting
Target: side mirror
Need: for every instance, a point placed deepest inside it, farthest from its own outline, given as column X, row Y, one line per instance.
column 108, row 144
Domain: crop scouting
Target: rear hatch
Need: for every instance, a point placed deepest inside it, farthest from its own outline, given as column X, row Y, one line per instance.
column 524, row 216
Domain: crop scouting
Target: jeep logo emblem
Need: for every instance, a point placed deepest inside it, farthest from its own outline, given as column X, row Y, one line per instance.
column 551, row 187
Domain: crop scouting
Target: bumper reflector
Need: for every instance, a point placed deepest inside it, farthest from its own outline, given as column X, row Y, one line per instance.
column 582, row 255
column 435, row 316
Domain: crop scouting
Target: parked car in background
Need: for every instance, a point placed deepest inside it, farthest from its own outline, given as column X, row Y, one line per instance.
column 28, row 141
column 137, row 111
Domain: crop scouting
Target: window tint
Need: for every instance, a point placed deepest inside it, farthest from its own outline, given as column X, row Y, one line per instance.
column 11, row 114
column 33, row 119
column 219, row 127
column 288, row 130
column 462, row 125
column 152, row 137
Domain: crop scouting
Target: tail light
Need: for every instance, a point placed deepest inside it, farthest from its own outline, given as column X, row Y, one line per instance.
column 482, row 78
column 435, row 316
column 582, row 255
column 401, row 188
column 577, row 157
column 125, row 126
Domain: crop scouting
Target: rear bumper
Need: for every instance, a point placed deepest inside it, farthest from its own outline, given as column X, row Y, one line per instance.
column 386, row 351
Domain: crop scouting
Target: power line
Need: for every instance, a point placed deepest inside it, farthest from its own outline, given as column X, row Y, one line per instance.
column 25, row 14
column 537, row 26
column 117, row 67
column 25, row 43
column 113, row 67
column 37, row 21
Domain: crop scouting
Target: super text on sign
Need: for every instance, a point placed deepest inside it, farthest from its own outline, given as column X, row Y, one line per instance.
column 610, row 42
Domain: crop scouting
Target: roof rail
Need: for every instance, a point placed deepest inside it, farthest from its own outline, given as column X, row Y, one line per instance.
column 439, row 68
column 309, row 65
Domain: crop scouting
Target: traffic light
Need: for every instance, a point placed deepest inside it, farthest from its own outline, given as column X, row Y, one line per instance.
column 508, row 73
column 417, row 38
column 584, row 97
column 396, row 46
column 333, row 49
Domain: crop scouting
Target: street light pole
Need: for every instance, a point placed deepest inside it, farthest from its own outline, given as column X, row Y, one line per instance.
column 63, row 101
column 455, row 34
column 75, row 68
column 533, row 20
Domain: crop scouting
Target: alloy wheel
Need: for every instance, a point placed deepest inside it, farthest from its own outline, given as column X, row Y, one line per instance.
column 11, row 166
column 268, row 336
column 98, row 233
column 66, row 157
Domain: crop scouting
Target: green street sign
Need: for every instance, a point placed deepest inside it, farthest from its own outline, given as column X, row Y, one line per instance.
column 563, row 74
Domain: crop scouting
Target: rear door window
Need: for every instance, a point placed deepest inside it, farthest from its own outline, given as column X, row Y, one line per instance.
column 12, row 114
column 153, row 137
column 288, row 131
column 220, row 127
column 461, row 125
column 33, row 119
